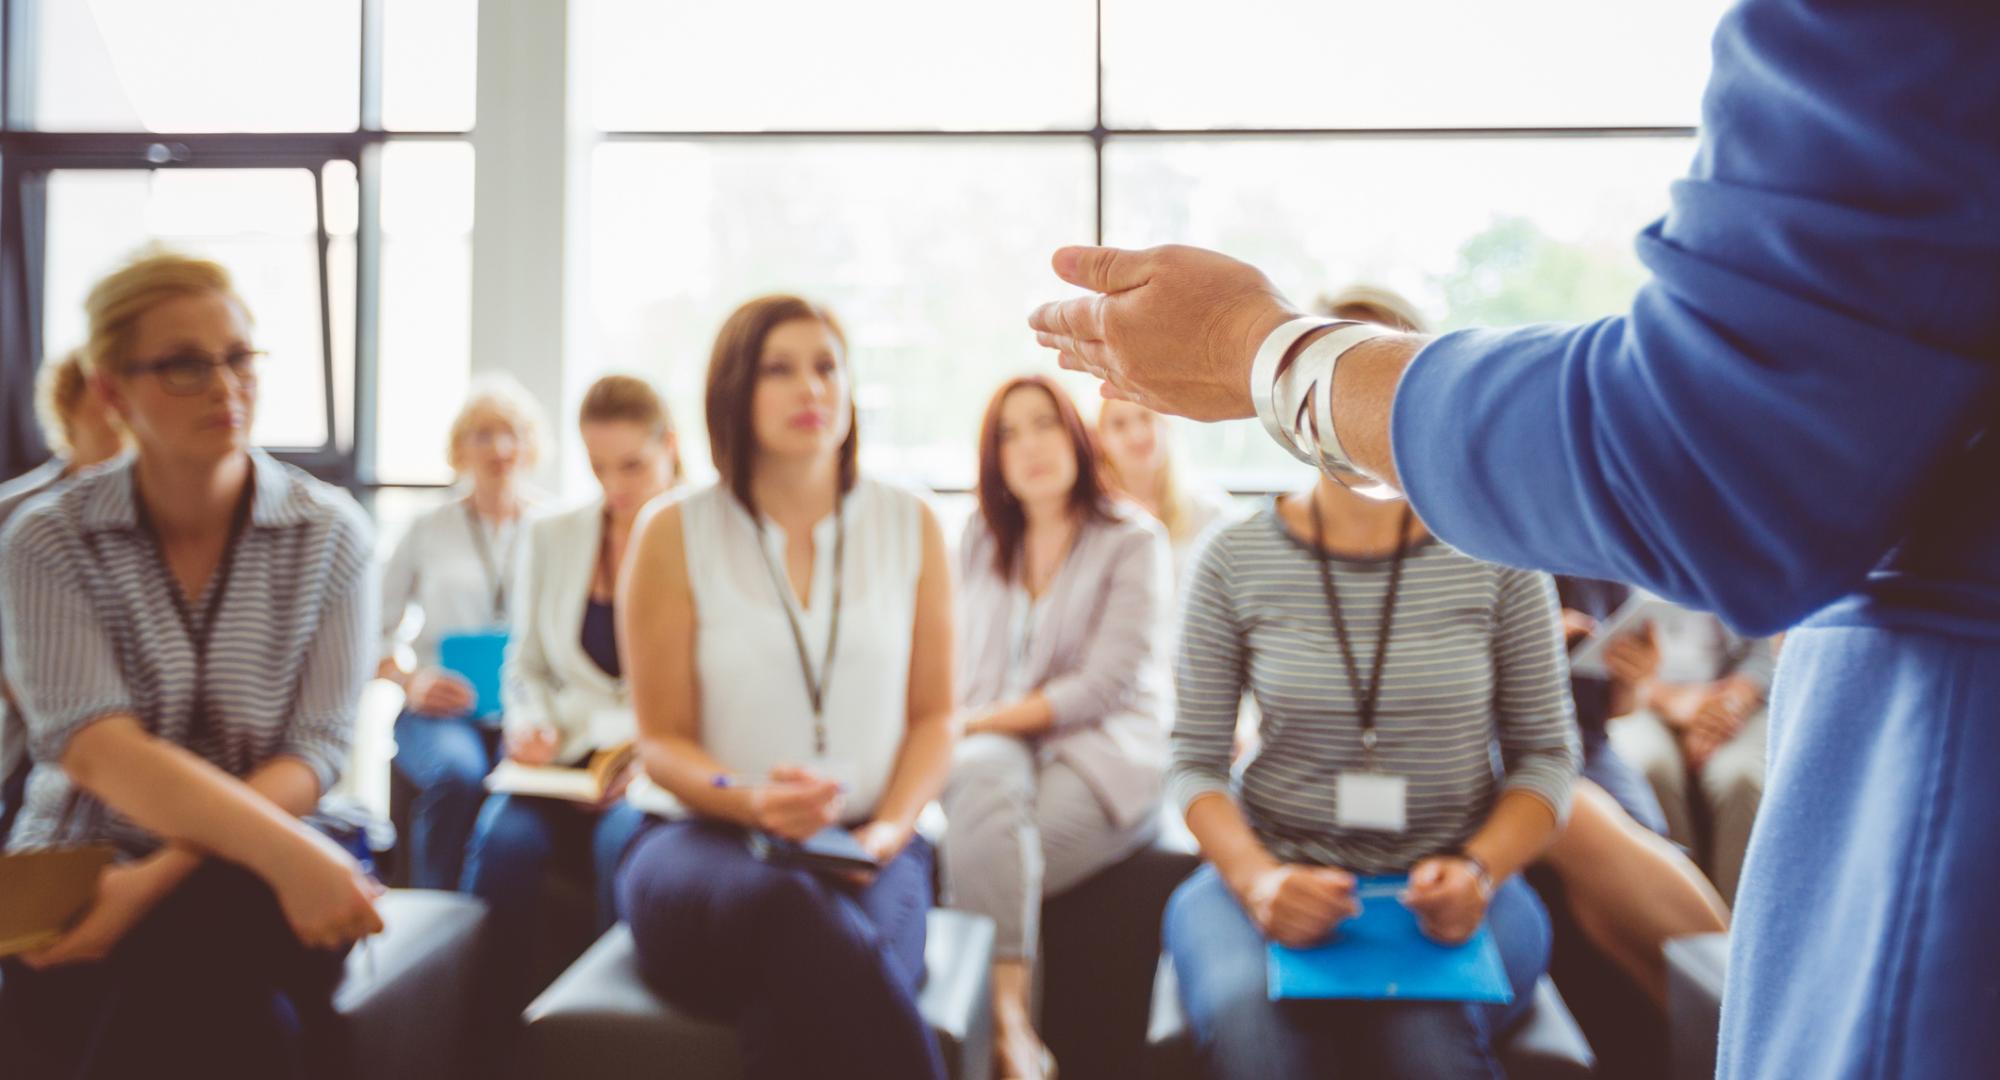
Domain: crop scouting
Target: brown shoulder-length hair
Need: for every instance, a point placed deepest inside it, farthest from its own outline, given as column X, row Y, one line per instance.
column 1089, row 499
column 732, row 382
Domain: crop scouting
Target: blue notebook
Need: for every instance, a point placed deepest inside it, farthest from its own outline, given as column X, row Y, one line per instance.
column 1381, row 954
column 477, row 655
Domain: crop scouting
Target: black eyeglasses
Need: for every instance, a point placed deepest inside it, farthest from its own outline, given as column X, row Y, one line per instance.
column 189, row 373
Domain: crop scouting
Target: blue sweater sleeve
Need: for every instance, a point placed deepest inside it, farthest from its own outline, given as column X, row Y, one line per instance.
column 1820, row 333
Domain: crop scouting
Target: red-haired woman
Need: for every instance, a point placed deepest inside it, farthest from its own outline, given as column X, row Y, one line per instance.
column 1063, row 686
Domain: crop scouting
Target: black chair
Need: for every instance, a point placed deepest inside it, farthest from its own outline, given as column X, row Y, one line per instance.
column 403, row 999
column 407, row 989
column 600, row 1020
column 1099, row 950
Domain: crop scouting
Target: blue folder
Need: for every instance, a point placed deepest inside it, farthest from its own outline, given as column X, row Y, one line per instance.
column 1381, row 954
column 477, row 656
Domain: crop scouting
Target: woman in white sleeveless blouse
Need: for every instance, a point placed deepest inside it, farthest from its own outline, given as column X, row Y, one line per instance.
column 789, row 636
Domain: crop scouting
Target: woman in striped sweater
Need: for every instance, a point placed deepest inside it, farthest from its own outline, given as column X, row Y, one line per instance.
column 1391, row 671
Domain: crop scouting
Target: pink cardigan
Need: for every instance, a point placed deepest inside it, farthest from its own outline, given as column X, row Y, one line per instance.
column 1099, row 659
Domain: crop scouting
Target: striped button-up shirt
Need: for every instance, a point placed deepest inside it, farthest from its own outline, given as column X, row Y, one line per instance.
column 1474, row 695
column 92, row 631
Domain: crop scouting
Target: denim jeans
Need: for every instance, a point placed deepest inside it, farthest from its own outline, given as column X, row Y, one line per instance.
column 819, row 976
column 447, row 759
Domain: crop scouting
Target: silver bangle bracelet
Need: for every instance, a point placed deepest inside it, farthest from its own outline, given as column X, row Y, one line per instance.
column 1264, row 382
column 1295, row 401
column 1313, row 374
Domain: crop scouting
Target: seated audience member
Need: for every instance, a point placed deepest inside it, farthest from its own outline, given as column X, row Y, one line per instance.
column 81, row 431
column 1698, row 733
column 456, row 566
column 1584, row 603
column 565, row 689
column 788, row 635
column 1139, row 462
column 1063, row 688
column 188, row 634
column 1370, row 648
column 1620, row 892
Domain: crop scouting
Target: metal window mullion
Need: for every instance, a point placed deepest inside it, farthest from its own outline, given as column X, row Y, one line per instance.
column 367, row 310
column 322, row 244
column 17, row 66
column 369, row 108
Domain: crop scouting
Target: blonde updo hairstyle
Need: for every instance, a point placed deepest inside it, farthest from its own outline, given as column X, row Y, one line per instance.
column 115, row 305
column 59, row 391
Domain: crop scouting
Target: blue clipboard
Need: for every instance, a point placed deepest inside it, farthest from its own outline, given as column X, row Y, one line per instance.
column 477, row 656
column 1381, row 955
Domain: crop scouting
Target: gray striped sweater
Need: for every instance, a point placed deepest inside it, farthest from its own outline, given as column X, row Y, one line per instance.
column 1474, row 701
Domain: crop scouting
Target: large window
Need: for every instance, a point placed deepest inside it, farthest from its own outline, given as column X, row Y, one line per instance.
column 910, row 162
column 318, row 150
column 913, row 163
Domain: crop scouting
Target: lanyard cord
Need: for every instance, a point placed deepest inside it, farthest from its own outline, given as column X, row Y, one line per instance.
column 496, row 577
column 1369, row 697
column 815, row 687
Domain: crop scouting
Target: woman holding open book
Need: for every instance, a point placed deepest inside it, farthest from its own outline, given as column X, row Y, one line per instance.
column 188, row 632
column 1389, row 671
column 789, row 632
column 565, row 690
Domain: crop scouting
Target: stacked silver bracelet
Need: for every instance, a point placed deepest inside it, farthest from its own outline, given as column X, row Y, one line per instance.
column 1295, row 400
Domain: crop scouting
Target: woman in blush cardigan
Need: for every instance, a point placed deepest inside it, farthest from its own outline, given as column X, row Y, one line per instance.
column 1063, row 687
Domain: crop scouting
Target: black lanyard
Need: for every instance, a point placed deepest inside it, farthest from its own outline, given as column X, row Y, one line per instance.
column 496, row 577
column 198, row 634
column 1370, row 696
column 815, row 687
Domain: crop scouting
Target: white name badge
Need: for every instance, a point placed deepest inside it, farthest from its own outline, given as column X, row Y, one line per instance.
column 1369, row 800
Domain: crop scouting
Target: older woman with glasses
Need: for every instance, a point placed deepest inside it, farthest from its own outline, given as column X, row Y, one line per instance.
column 455, row 567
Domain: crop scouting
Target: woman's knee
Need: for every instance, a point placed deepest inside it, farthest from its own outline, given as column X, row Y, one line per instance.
column 990, row 769
column 511, row 831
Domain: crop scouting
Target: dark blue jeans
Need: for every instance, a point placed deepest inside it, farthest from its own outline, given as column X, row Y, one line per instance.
column 212, row 983
column 1243, row 1035
column 515, row 844
column 447, row 759
column 820, row 977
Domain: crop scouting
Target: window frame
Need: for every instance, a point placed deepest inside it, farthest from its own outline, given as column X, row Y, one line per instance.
column 27, row 156
column 1102, row 135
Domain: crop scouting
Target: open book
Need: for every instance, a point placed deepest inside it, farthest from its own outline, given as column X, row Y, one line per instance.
column 585, row 785
column 45, row 892
column 1631, row 617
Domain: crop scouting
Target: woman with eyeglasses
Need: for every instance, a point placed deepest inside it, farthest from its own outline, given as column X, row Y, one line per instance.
column 188, row 635
column 456, row 567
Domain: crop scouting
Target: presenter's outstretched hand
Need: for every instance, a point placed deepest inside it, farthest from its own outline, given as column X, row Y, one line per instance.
column 1172, row 328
